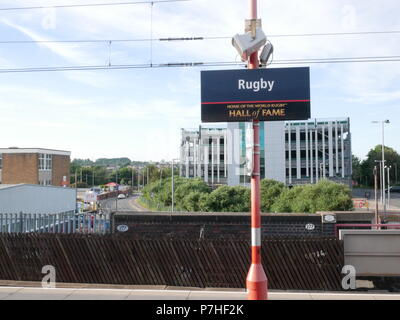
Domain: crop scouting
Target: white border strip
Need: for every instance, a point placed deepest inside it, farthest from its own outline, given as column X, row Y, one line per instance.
column 309, row 293
column 256, row 237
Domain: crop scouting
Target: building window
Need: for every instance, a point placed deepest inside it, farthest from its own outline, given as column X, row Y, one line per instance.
column 45, row 183
column 1, row 161
column 45, row 161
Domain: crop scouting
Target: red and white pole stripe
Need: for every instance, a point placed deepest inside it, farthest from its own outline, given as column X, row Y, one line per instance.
column 256, row 282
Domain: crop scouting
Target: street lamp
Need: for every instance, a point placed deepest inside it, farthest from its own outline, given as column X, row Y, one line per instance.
column 172, row 183
column 138, row 178
column 388, row 184
column 116, row 186
column 376, row 194
column 380, row 179
column 383, row 159
column 132, row 179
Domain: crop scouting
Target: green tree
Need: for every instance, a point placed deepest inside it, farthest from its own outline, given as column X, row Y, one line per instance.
column 125, row 175
column 284, row 202
column 120, row 162
column 188, row 186
column 270, row 191
column 392, row 159
column 195, row 201
column 357, row 170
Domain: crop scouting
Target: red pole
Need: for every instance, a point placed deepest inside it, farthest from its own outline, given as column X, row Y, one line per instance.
column 256, row 282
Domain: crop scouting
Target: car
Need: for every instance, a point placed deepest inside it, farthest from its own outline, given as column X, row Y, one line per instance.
column 96, row 190
column 393, row 189
column 121, row 196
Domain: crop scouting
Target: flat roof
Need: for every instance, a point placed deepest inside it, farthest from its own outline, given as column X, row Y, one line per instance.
column 9, row 186
column 35, row 150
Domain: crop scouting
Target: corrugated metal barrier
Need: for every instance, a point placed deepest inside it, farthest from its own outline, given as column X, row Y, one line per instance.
column 296, row 264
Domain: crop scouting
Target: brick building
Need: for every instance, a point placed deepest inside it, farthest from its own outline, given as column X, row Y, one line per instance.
column 34, row 166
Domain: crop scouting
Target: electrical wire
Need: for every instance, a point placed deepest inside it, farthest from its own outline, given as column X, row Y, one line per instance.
column 194, row 38
column 89, row 5
column 203, row 64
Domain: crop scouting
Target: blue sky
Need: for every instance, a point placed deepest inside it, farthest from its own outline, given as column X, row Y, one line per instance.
column 138, row 113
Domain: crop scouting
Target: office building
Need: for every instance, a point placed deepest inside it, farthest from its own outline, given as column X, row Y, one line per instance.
column 203, row 154
column 293, row 152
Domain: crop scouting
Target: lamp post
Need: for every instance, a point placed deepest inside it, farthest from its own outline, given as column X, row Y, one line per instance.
column 380, row 180
column 376, row 194
column 388, row 185
column 116, row 186
column 172, row 184
column 383, row 160
column 132, row 179
column 138, row 172
column 256, row 281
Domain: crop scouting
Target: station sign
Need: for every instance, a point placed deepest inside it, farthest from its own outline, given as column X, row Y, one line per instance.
column 274, row 94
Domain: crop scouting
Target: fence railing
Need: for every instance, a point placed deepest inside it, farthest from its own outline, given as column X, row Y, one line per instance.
column 64, row 222
column 379, row 226
column 290, row 264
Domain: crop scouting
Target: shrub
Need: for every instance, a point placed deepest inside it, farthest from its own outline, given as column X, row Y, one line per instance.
column 229, row 199
column 324, row 196
column 284, row 202
column 195, row 201
column 188, row 186
column 270, row 191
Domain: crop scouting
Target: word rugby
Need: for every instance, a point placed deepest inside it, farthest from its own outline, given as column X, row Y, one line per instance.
column 255, row 85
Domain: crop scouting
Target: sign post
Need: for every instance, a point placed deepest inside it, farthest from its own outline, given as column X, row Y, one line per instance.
column 255, row 95
column 256, row 281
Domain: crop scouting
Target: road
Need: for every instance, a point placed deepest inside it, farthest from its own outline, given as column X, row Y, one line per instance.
column 394, row 197
column 128, row 204
column 29, row 293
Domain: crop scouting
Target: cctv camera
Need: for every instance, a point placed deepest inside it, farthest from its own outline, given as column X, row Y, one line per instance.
column 245, row 44
column 266, row 53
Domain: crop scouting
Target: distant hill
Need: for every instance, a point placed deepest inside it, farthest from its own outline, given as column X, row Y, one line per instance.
column 108, row 162
column 82, row 162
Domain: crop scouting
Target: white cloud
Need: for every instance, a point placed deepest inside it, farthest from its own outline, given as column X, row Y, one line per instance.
column 156, row 103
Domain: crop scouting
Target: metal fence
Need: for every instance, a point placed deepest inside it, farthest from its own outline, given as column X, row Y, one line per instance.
column 64, row 222
column 290, row 264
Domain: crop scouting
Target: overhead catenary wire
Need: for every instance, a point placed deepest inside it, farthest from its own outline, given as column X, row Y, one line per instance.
column 89, row 5
column 196, row 38
column 202, row 64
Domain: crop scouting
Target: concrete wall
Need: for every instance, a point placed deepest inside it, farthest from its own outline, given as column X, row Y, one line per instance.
column 37, row 199
column 372, row 252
